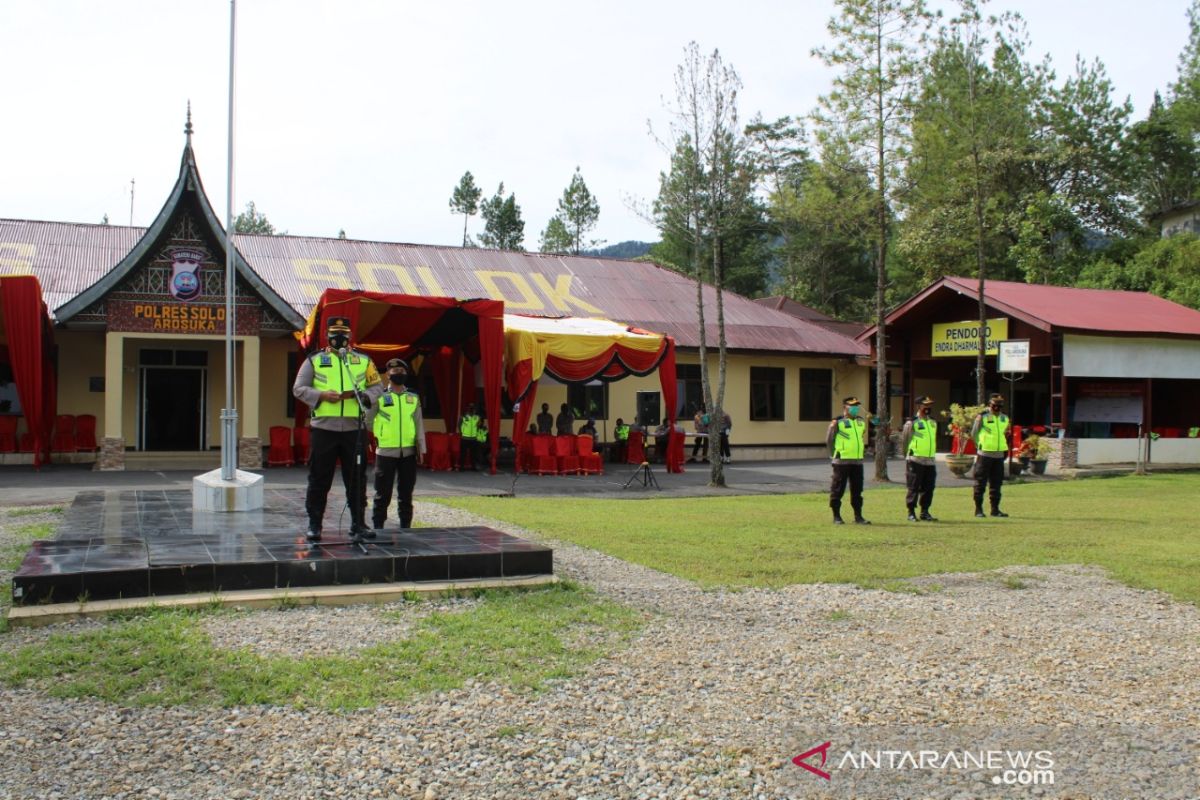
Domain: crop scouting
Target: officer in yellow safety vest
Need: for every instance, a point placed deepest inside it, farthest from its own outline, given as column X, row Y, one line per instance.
column 399, row 430
column 621, row 433
column 332, row 381
column 847, row 443
column 992, row 434
column 918, row 441
column 468, row 428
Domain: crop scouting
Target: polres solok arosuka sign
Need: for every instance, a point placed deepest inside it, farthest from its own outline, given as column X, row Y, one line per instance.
column 962, row 338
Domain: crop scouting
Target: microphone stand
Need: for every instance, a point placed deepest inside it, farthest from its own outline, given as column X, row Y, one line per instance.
column 356, row 536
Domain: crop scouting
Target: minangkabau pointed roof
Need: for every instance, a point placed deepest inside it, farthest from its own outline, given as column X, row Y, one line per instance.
column 187, row 186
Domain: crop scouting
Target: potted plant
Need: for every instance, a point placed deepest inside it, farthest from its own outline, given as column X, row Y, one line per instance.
column 961, row 418
column 1040, row 449
column 1029, row 448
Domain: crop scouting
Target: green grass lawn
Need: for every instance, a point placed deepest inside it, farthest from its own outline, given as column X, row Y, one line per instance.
column 1143, row 530
column 519, row 638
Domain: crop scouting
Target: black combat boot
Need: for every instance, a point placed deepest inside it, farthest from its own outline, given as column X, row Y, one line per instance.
column 912, row 517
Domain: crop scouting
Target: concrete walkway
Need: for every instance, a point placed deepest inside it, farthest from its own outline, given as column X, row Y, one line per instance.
column 59, row 482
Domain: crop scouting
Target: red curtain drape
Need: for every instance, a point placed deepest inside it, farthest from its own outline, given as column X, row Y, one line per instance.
column 30, row 344
column 491, row 346
column 666, row 377
column 521, row 417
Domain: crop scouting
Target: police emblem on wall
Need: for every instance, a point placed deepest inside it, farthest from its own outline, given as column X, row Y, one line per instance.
column 185, row 272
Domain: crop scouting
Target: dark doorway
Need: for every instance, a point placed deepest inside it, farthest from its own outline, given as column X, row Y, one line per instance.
column 173, row 408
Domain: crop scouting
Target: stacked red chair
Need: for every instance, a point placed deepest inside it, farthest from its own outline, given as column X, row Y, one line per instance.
column 543, row 462
column 566, row 453
column 590, row 462
column 635, row 452
column 279, row 450
column 437, row 451
column 675, row 455
column 63, row 438
column 85, row 433
column 8, row 434
column 302, row 439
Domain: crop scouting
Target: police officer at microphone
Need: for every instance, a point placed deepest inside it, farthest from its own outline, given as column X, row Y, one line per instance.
column 327, row 382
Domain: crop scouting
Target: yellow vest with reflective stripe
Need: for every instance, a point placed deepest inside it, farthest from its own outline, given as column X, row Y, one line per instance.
column 991, row 433
column 924, row 438
column 481, row 435
column 849, row 441
column 469, row 427
column 396, row 421
column 622, row 433
column 329, row 373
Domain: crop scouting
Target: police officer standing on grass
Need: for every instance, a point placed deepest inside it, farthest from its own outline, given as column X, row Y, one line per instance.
column 400, row 432
column 847, row 443
column 919, row 441
column 992, row 434
column 327, row 381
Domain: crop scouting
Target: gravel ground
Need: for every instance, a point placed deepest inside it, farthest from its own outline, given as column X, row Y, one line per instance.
column 713, row 698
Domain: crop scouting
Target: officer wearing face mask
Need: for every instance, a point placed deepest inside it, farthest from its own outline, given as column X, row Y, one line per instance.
column 847, row 443
column 918, row 441
column 327, row 381
column 399, row 430
column 992, row 434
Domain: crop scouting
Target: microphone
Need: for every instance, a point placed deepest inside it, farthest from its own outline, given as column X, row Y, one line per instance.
column 342, row 352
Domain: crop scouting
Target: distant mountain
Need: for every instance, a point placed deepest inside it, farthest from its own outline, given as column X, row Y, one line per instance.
column 622, row 250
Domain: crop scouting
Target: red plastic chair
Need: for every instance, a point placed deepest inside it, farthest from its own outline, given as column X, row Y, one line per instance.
column 635, row 452
column 437, row 451
column 85, row 433
column 454, row 440
column 543, row 461
column 302, row 439
column 8, row 434
column 63, row 438
column 675, row 451
column 279, row 452
column 566, row 453
column 372, row 445
column 590, row 462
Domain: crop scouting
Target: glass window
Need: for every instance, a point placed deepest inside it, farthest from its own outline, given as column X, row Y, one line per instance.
column 191, row 358
column 816, row 395
column 587, row 400
column 155, row 358
column 689, row 389
column 766, row 393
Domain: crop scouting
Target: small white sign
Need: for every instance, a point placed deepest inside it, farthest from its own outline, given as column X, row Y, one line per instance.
column 1013, row 356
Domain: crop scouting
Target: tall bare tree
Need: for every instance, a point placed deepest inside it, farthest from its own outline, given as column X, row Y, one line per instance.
column 700, row 198
column 877, row 52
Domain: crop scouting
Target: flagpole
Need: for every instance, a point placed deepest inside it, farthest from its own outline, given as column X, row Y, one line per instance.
column 229, row 415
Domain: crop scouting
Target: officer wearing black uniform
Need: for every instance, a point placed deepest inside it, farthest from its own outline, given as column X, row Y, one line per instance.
column 326, row 382
column 992, row 434
column 847, row 443
column 918, row 441
column 399, row 430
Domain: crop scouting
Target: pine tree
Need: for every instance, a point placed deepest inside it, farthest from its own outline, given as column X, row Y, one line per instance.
column 465, row 201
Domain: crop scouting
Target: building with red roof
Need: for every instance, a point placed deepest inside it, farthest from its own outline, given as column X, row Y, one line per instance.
column 1102, row 364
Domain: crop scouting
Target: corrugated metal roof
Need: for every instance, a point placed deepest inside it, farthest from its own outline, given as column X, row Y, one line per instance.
column 801, row 311
column 1069, row 308
column 68, row 258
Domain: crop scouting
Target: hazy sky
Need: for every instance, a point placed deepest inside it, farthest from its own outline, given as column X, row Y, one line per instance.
column 364, row 114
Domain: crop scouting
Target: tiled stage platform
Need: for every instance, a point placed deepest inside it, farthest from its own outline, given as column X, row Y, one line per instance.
column 149, row 543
